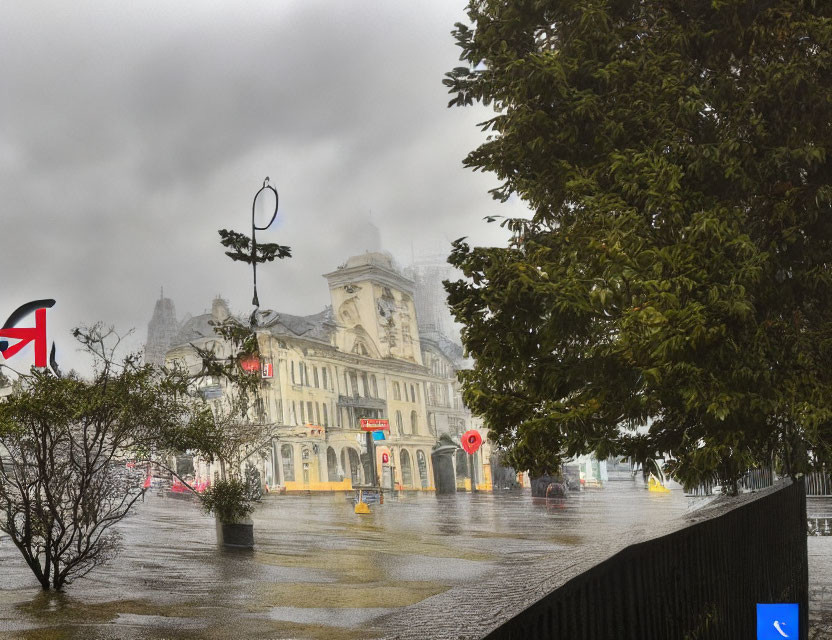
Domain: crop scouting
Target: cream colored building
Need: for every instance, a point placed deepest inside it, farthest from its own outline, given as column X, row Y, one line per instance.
column 362, row 357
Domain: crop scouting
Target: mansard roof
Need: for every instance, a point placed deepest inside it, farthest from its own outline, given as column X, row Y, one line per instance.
column 193, row 329
column 317, row 327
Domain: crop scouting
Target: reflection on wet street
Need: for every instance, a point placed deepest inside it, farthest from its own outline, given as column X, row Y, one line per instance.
column 318, row 569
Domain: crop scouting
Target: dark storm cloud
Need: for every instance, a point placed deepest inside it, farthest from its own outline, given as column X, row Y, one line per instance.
column 130, row 133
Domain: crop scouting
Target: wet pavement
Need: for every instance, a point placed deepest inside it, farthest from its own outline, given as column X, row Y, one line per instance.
column 320, row 571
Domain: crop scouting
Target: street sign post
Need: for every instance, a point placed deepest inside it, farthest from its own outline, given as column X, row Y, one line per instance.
column 471, row 442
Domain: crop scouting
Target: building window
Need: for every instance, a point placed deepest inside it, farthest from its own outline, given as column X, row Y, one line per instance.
column 422, row 462
column 412, row 393
column 288, row 463
column 399, row 425
column 413, row 420
column 407, row 471
column 294, row 412
column 292, row 362
column 354, row 383
column 318, row 413
column 397, row 392
column 302, row 414
column 365, row 391
column 310, row 414
column 315, row 374
column 323, row 375
column 326, row 418
column 375, row 386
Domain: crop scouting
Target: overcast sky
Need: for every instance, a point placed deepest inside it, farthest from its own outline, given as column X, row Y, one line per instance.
column 131, row 132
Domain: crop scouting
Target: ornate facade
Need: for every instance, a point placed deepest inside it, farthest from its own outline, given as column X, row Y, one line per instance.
column 362, row 357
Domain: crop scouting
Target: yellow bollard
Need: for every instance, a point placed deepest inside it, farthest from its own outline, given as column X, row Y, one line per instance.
column 361, row 506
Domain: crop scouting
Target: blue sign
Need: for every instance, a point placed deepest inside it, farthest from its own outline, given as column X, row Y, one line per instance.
column 378, row 435
column 777, row 621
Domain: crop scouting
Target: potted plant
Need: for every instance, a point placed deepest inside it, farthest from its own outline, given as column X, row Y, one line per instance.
column 231, row 503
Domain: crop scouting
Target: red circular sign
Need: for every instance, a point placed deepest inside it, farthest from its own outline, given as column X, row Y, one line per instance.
column 471, row 441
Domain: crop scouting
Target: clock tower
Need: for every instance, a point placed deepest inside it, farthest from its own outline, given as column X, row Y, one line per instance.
column 372, row 303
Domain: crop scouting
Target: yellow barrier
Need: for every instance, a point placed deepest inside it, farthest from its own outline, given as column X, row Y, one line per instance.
column 655, row 486
column 344, row 485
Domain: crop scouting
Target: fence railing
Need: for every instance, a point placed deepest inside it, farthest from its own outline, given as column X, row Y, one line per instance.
column 700, row 582
column 753, row 480
column 818, row 484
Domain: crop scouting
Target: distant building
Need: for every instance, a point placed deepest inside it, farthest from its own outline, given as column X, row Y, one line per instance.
column 161, row 330
column 430, row 297
column 362, row 357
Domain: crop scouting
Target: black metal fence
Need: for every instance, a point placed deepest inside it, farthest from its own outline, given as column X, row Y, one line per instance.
column 700, row 582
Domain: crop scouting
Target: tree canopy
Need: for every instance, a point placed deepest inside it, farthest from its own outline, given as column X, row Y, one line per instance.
column 675, row 268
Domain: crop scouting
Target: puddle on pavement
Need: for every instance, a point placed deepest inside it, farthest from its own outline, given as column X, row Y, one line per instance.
column 343, row 596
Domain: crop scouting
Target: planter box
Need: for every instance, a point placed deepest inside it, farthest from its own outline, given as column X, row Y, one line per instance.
column 236, row 534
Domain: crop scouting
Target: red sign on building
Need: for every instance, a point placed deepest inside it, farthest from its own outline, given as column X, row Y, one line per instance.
column 250, row 364
column 373, row 424
column 268, row 370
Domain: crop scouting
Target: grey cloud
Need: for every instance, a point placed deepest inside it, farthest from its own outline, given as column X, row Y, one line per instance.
column 130, row 133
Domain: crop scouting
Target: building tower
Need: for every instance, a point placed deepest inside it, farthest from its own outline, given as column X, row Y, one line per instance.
column 372, row 303
column 161, row 330
column 430, row 297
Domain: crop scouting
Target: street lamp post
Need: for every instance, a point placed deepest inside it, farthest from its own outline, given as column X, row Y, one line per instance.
column 254, row 228
column 246, row 249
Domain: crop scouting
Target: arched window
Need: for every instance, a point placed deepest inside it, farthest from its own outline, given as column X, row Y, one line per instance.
column 375, row 386
column 397, row 392
column 355, row 466
column 407, row 471
column 288, row 456
column 399, row 424
column 413, row 423
column 326, row 418
column 422, row 462
column 331, row 464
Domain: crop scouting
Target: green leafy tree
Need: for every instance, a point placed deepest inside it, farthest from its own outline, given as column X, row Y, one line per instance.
column 66, row 442
column 675, row 268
